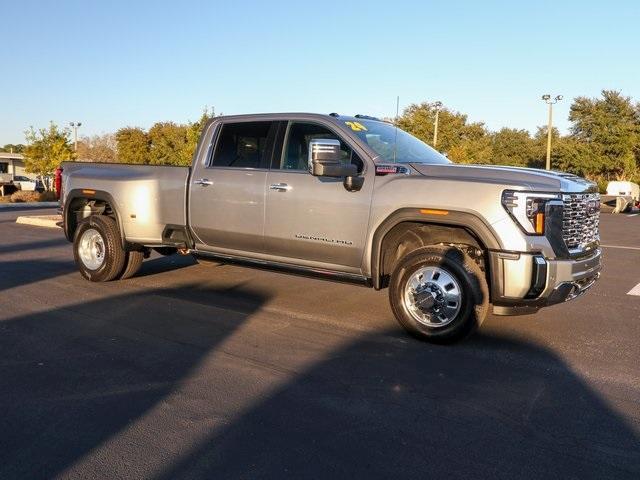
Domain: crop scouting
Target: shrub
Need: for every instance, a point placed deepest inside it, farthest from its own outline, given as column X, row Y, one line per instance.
column 23, row 196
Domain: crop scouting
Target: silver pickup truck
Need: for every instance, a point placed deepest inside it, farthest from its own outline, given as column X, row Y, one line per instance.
column 347, row 198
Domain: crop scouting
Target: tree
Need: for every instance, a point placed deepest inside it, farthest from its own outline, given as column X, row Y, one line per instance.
column 12, row 148
column 132, row 145
column 462, row 141
column 194, row 130
column 539, row 148
column 610, row 129
column 98, row 148
column 511, row 146
column 168, row 143
column 46, row 149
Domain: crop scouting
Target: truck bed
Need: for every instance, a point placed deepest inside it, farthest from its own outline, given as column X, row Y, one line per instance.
column 147, row 197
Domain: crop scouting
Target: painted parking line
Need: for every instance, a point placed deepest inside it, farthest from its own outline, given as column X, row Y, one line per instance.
column 621, row 247
column 633, row 215
column 635, row 290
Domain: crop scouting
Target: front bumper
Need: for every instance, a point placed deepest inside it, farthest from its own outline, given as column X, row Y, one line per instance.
column 523, row 283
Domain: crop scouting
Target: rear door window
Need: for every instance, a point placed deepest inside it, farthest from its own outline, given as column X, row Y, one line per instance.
column 244, row 145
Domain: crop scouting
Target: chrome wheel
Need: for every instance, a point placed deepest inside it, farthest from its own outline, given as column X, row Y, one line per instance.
column 432, row 296
column 91, row 249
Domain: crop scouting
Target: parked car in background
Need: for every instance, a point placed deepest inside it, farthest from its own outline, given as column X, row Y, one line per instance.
column 624, row 189
column 27, row 184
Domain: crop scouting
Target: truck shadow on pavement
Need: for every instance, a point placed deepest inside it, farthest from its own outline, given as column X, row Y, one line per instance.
column 388, row 408
column 16, row 273
column 72, row 378
column 86, row 388
column 37, row 245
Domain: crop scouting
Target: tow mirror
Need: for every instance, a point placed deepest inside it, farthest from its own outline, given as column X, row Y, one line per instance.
column 325, row 159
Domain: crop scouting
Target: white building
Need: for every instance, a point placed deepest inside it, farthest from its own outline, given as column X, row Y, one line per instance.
column 12, row 164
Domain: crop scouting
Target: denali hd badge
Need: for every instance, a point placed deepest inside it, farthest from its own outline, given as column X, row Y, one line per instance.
column 323, row 239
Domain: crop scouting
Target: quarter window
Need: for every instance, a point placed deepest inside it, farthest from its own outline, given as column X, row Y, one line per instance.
column 244, row 145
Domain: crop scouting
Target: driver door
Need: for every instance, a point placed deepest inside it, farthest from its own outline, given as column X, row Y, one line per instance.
column 315, row 220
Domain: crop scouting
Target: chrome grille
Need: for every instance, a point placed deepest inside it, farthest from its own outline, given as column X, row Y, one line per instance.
column 581, row 219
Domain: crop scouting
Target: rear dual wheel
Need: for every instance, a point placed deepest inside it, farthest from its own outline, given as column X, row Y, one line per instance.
column 439, row 294
column 98, row 252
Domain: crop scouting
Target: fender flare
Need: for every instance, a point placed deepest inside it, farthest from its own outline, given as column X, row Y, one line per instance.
column 470, row 222
column 96, row 195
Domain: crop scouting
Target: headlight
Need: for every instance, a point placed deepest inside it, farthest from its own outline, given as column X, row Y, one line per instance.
column 528, row 209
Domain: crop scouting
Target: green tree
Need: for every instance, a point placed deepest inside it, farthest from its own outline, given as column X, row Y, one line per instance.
column 12, row 148
column 132, row 145
column 539, row 148
column 461, row 140
column 609, row 128
column 46, row 149
column 194, row 130
column 168, row 144
column 511, row 146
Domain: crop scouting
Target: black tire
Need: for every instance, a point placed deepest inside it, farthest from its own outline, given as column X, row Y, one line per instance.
column 474, row 298
column 113, row 256
column 133, row 261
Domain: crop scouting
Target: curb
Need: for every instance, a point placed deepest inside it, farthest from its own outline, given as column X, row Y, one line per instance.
column 51, row 221
column 29, row 205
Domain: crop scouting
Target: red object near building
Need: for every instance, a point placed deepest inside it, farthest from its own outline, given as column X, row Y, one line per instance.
column 58, row 182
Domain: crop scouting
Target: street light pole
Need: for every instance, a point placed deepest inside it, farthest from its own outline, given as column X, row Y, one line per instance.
column 438, row 105
column 75, row 126
column 549, row 101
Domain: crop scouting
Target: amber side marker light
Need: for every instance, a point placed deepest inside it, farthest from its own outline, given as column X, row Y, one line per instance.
column 428, row 211
column 89, row 192
column 540, row 223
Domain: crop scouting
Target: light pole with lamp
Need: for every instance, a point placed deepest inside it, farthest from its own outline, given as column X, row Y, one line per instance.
column 438, row 105
column 550, row 101
column 75, row 126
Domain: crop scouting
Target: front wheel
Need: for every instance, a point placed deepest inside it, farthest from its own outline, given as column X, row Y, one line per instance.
column 439, row 294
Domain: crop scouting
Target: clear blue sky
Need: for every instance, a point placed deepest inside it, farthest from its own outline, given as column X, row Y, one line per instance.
column 115, row 63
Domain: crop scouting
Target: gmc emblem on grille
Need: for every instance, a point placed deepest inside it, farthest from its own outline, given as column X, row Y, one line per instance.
column 592, row 207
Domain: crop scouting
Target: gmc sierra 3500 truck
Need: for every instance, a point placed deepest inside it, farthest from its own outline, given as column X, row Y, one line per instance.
column 348, row 198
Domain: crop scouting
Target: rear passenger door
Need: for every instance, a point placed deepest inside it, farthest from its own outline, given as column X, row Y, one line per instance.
column 227, row 192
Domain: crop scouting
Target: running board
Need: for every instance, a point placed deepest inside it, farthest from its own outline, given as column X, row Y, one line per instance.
column 288, row 268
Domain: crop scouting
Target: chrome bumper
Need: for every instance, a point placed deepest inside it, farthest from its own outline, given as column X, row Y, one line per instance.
column 572, row 278
column 524, row 283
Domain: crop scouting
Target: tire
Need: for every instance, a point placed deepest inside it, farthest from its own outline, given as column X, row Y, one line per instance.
column 97, row 249
column 132, row 263
column 450, row 305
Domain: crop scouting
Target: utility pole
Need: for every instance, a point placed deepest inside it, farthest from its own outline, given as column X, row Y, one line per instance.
column 75, row 126
column 438, row 105
column 549, row 101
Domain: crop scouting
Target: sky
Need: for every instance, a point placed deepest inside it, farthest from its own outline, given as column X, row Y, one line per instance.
column 118, row 63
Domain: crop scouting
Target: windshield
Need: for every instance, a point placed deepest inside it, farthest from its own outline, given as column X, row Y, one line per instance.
column 400, row 148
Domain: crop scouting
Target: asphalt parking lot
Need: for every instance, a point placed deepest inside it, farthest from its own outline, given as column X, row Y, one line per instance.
column 204, row 370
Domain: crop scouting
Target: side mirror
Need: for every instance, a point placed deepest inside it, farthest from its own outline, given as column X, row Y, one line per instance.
column 325, row 159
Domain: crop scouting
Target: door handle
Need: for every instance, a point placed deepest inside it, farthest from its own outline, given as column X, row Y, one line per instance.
column 205, row 182
column 280, row 187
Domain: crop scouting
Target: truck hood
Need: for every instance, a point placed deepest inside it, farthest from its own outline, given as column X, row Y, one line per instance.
column 528, row 178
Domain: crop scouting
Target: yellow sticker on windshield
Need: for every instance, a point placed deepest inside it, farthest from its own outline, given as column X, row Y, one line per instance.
column 356, row 126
